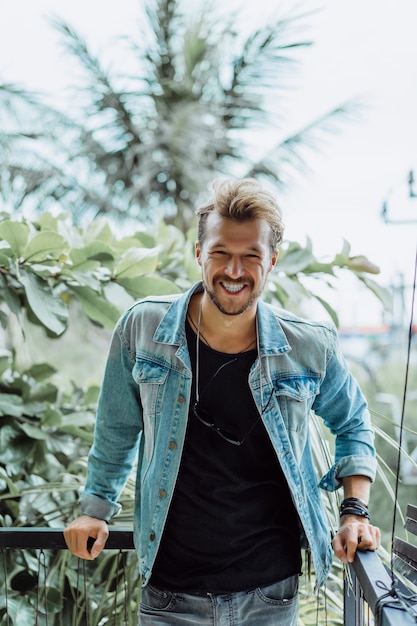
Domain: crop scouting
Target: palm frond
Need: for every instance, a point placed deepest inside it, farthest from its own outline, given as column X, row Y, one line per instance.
column 291, row 152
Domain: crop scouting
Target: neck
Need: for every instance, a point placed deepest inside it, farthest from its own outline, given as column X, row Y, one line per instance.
column 225, row 333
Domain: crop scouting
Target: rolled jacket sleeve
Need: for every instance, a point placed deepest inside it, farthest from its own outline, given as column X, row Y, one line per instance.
column 97, row 507
column 348, row 466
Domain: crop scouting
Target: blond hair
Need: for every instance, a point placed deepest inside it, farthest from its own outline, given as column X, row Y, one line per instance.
column 242, row 200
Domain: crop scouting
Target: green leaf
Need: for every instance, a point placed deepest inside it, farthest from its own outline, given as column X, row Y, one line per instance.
column 316, row 267
column 46, row 268
column 4, row 260
column 13, row 490
column 11, row 299
column 20, row 612
column 85, row 276
column 143, row 286
column 51, row 418
column 49, row 309
column 5, row 361
column 34, row 432
column 86, row 268
column 11, row 404
column 78, row 431
column 40, row 371
column 146, row 239
column 295, row 260
column 43, row 392
column 54, row 600
column 280, row 293
column 99, row 230
column 136, row 261
column 291, row 288
column 122, row 245
column 383, row 294
column 47, row 221
column 329, row 309
column 36, row 408
column 192, row 269
column 4, row 319
column 96, row 251
column 16, row 234
column 96, row 307
column 117, row 295
column 42, row 245
column 346, row 248
column 80, row 418
column 91, row 395
column 362, row 264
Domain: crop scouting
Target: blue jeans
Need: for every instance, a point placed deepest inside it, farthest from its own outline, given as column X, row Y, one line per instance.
column 272, row 605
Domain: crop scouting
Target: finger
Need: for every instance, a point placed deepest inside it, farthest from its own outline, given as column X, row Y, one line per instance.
column 369, row 539
column 99, row 544
column 345, row 544
column 365, row 541
column 350, row 548
column 80, row 542
column 339, row 548
column 77, row 543
column 73, row 543
column 86, row 536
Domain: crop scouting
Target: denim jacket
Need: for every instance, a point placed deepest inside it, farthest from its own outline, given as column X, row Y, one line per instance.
column 143, row 411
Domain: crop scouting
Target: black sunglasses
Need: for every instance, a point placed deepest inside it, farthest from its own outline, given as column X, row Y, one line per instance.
column 205, row 419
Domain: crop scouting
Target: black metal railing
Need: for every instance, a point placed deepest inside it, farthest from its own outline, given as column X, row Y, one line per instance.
column 42, row 584
column 367, row 584
column 53, row 539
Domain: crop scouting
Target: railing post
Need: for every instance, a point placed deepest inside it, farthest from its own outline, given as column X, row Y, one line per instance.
column 353, row 600
column 374, row 581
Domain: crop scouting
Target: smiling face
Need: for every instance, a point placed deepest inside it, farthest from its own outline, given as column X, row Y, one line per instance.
column 235, row 258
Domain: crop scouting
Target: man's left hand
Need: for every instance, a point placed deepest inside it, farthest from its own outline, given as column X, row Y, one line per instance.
column 355, row 533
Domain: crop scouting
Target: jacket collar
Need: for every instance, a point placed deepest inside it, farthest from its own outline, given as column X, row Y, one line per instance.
column 171, row 330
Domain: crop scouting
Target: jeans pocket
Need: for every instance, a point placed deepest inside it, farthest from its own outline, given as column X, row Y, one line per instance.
column 281, row 593
column 156, row 599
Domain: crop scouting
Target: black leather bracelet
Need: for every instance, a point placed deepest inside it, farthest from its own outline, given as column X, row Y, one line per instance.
column 354, row 501
column 355, row 511
column 354, row 506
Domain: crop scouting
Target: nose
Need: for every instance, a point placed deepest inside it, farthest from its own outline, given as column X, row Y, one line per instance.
column 234, row 267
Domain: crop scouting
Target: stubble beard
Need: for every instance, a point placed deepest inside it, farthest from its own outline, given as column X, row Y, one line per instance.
column 254, row 296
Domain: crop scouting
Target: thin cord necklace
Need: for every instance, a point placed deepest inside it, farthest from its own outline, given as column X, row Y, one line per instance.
column 197, row 355
column 197, row 329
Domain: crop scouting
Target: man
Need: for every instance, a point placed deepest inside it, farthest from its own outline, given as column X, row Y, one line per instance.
column 212, row 391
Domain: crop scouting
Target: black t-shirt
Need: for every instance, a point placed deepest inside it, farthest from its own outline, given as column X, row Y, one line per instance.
column 232, row 524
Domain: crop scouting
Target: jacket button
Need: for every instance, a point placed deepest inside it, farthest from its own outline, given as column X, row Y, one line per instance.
column 181, row 399
column 162, row 493
column 152, row 537
column 172, row 445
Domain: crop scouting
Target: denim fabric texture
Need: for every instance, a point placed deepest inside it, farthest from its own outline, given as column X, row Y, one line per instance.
column 272, row 605
column 143, row 411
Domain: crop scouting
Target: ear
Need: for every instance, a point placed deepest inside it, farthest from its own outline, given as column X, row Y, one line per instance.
column 274, row 259
column 197, row 250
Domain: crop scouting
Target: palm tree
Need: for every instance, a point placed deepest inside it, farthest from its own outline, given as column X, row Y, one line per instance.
column 149, row 142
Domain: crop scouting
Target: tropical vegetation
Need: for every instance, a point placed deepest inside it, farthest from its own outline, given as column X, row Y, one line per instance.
column 97, row 210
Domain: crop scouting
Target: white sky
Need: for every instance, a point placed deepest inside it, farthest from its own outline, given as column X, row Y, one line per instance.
column 363, row 48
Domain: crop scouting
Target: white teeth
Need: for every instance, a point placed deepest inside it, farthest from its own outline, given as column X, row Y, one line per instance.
column 232, row 287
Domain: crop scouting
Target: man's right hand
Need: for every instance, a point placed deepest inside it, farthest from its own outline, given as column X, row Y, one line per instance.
column 81, row 532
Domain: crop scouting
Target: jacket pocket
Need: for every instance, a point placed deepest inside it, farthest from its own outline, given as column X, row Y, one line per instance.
column 150, row 378
column 295, row 395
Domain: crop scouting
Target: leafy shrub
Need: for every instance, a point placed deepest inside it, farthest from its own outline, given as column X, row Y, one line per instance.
column 48, row 267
